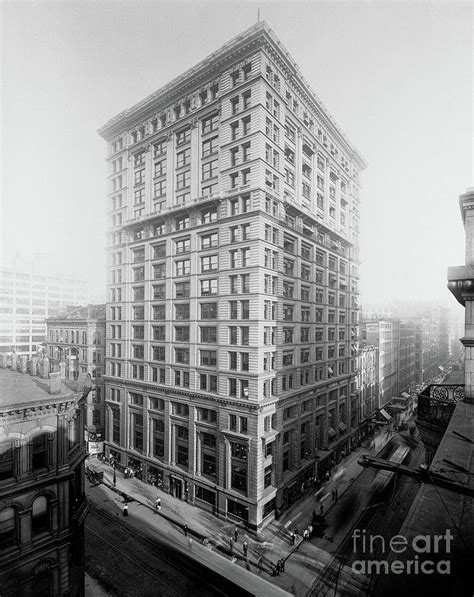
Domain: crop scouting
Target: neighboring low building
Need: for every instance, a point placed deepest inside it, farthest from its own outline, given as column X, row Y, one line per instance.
column 76, row 344
column 42, row 494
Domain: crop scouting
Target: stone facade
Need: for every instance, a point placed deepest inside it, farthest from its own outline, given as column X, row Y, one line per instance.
column 233, row 297
column 42, row 497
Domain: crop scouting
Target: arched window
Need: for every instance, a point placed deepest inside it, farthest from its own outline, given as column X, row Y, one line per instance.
column 8, row 528
column 66, row 336
column 77, row 337
column 97, row 338
column 72, row 336
column 84, row 338
column 57, row 335
column 43, row 580
column 51, row 335
column 11, row 587
column 40, row 515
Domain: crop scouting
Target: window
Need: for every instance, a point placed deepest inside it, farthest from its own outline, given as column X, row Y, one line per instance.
column 181, row 333
column 208, row 216
column 39, row 452
column 209, row 169
column 181, row 378
column 208, row 310
column 138, row 351
column 159, row 312
column 40, row 515
column 182, row 222
column 208, row 334
column 209, row 263
column 181, row 355
column 183, row 179
column 183, row 136
column 183, row 245
column 159, row 332
column 208, row 382
column 8, row 526
column 182, row 311
column 208, row 358
column 6, row 467
column 208, row 287
column 209, row 240
column 183, row 158
column 209, row 147
column 183, row 267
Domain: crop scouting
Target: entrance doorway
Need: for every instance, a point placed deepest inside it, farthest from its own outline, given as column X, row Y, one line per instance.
column 177, row 489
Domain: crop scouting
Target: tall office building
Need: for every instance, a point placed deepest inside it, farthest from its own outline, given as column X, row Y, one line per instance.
column 26, row 299
column 233, row 298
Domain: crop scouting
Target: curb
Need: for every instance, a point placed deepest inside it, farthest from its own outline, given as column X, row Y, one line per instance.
column 202, row 538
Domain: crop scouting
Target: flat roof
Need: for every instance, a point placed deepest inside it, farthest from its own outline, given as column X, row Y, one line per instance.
column 23, row 388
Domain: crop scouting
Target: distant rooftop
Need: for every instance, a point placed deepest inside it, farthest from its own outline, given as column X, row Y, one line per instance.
column 81, row 313
column 21, row 389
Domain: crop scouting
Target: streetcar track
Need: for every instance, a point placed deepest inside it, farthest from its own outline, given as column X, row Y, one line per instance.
column 155, row 546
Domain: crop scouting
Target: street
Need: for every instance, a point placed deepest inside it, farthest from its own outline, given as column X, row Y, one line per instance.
column 130, row 560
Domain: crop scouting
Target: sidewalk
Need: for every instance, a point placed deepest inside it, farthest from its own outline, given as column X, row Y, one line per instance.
column 272, row 543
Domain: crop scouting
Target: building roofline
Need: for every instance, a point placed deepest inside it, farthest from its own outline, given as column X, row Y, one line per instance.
column 260, row 32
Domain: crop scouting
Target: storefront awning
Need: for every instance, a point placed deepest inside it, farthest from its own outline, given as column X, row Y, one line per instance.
column 385, row 414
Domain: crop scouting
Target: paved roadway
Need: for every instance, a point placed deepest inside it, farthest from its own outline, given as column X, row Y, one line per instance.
column 128, row 562
column 377, row 514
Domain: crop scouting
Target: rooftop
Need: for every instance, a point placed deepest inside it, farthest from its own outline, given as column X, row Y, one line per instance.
column 205, row 69
column 21, row 389
column 437, row 509
column 81, row 313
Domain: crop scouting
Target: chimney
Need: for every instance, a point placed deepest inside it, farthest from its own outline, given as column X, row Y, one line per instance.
column 33, row 365
column 62, row 370
column 55, row 384
column 22, row 365
column 43, row 368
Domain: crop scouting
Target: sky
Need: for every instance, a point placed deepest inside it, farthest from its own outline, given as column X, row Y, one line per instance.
column 396, row 76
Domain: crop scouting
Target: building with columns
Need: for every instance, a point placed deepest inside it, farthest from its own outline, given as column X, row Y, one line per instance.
column 233, row 283
column 75, row 344
column 42, row 495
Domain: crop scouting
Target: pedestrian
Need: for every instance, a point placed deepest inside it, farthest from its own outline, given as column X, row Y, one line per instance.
column 310, row 530
column 185, row 529
column 293, row 538
column 157, row 505
column 333, row 494
column 125, row 510
column 296, row 531
column 321, row 509
column 327, row 476
column 231, row 545
column 245, row 548
column 277, row 568
column 305, row 535
column 282, row 565
column 236, row 534
column 190, row 543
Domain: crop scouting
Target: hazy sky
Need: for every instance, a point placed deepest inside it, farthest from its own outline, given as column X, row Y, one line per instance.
column 397, row 77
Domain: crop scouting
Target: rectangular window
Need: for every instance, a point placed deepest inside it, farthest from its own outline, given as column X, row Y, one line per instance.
column 209, row 287
column 208, row 310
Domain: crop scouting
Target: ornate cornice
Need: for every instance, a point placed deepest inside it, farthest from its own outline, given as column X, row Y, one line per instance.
column 257, row 37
